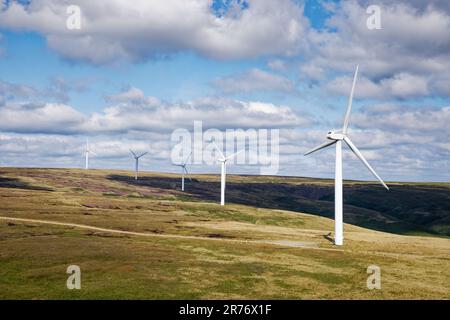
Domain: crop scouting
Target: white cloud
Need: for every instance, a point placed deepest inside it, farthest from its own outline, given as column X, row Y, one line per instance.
column 415, row 121
column 50, row 150
column 401, row 85
column 40, row 118
column 408, row 57
column 58, row 89
column 253, row 80
column 132, row 95
column 11, row 91
column 313, row 72
column 133, row 111
column 117, row 30
column 277, row 65
column 61, row 87
column 402, row 143
column 214, row 112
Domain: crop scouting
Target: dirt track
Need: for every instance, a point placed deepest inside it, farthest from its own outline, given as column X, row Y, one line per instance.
column 294, row 244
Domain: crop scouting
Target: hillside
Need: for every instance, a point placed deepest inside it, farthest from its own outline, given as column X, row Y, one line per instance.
column 405, row 209
column 148, row 240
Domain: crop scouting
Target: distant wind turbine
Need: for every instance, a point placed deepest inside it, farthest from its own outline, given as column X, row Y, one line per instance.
column 337, row 138
column 184, row 171
column 224, row 160
column 87, row 151
column 136, row 158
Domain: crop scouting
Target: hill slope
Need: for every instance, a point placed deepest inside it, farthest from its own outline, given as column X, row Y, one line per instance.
column 406, row 209
column 149, row 240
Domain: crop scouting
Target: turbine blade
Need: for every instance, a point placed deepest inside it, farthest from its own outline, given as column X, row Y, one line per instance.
column 134, row 154
column 234, row 154
column 361, row 157
column 185, row 161
column 350, row 102
column 187, row 173
column 217, row 148
column 143, row 154
column 322, row 146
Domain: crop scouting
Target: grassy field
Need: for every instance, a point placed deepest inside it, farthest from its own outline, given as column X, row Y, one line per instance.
column 148, row 240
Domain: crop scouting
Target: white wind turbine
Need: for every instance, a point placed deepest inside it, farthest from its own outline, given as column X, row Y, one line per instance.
column 184, row 171
column 337, row 138
column 224, row 160
column 136, row 158
column 87, row 151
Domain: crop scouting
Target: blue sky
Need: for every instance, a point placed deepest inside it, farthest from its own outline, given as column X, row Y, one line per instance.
column 182, row 76
column 297, row 57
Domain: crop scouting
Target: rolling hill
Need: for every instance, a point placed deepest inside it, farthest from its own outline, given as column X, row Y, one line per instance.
column 146, row 239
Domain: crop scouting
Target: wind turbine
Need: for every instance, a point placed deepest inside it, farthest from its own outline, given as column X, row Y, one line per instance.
column 136, row 157
column 224, row 160
column 337, row 138
column 86, row 154
column 184, row 171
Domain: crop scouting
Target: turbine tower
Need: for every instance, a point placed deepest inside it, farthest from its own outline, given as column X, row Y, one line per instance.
column 184, row 171
column 136, row 158
column 87, row 151
column 337, row 138
column 224, row 160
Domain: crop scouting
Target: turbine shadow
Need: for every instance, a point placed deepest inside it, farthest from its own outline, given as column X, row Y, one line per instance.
column 328, row 237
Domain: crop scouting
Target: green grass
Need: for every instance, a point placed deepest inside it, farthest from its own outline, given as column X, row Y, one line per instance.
column 408, row 208
column 220, row 252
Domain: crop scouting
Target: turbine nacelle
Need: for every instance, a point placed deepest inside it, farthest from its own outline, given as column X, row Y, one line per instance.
column 184, row 170
column 335, row 136
column 136, row 159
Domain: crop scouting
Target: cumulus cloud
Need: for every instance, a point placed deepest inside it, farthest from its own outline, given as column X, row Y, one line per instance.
column 53, row 150
column 408, row 142
column 53, row 134
column 312, row 72
column 61, row 87
column 58, row 89
column 131, row 110
column 408, row 57
column 253, row 80
column 132, row 96
column 40, row 118
column 401, row 85
column 168, row 116
column 115, row 30
column 401, row 142
column 277, row 65
column 406, row 119
column 10, row 90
